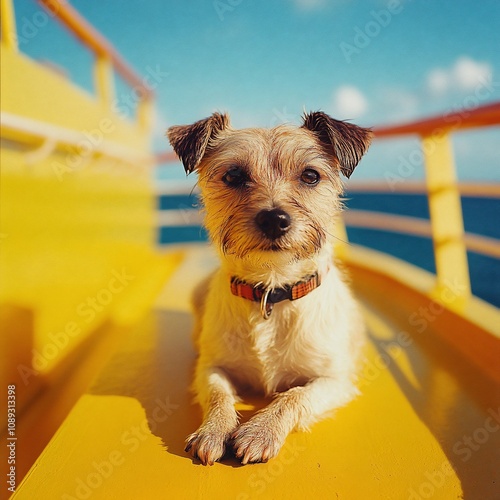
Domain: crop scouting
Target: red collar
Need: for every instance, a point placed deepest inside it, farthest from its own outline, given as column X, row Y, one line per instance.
column 268, row 297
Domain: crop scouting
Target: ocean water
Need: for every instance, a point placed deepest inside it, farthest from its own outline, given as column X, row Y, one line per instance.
column 481, row 216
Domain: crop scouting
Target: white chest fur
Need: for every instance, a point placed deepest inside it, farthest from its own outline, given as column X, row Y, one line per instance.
column 302, row 340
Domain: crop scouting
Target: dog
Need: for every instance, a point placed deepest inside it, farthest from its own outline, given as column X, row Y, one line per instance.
column 277, row 318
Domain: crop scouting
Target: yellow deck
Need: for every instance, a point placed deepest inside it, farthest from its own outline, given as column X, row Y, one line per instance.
column 425, row 426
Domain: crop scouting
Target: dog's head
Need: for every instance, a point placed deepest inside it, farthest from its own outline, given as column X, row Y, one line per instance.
column 270, row 190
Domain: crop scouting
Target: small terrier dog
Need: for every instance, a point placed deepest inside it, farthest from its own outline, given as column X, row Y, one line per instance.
column 277, row 317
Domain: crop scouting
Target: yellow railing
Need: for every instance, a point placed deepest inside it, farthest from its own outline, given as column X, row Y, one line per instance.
column 446, row 221
column 8, row 23
column 107, row 57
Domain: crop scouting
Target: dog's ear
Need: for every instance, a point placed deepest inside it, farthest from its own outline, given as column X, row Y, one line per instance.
column 346, row 141
column 190, row 142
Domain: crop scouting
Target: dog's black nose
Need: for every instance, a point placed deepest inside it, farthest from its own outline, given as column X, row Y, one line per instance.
column 273, row 223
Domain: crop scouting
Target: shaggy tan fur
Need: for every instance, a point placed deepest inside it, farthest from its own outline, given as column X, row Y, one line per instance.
column 306, row 353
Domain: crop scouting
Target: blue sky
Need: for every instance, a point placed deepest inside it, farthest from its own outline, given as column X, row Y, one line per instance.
column 375, row 62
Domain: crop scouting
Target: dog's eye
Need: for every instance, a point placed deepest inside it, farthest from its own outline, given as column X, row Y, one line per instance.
column 310, row 176
column 235, row 177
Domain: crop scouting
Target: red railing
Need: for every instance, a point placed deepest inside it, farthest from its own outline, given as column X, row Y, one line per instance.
column 91, row 38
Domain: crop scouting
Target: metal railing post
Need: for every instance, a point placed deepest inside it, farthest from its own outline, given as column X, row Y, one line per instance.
column 9, row 34
column 104, row 80
column 450, row 254
column 108, row 60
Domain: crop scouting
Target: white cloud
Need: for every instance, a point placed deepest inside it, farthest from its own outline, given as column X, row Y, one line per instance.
column 349, row 102
column 465, row 75
column 469, row 73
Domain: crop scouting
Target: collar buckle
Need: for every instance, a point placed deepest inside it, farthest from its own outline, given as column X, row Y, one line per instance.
column 266, row 308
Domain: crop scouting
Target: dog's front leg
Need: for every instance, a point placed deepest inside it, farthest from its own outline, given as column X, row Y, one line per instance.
column 217, row 397
column 262, row 436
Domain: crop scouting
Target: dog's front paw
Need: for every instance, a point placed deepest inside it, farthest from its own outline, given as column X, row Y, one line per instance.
column 256, row 440
column 207, row 445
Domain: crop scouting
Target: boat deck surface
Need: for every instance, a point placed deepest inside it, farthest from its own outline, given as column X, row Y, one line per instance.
column 426, row 424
